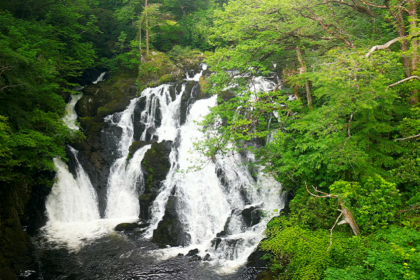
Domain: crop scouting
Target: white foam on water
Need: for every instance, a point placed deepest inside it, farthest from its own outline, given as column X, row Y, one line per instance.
column 71, row 115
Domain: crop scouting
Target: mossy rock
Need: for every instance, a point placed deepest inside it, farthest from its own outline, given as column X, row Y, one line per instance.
column 156, row 166
column 91, row 126
column 135, row 146
column 126, row 226
column 170, row 230
column 204, row 88
column 267, row 275
column 225, row 96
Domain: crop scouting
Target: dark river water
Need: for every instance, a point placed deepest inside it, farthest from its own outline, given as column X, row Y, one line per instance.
column 125, row 257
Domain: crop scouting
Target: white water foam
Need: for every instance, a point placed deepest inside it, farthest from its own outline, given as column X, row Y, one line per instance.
column 206, row 207
column 125, row 179
column 169, row 110
column 100, row 78
column 71, row 117
column 198, row 75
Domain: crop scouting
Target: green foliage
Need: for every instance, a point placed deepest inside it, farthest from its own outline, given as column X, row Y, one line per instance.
column 392, row 254
column 36, row 58
column 374, row 202
column 299, row 253
column 313, row 213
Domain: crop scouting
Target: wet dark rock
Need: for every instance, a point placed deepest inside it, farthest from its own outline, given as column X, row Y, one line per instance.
column 216, row 242
column 193, row 252
column 255, row 259
column 126, row 226
column 156, row 166
column 195, row 258
column 206, row 257
column 18, row 217
column 170, row 230
column 252, row 215
column 135, row 146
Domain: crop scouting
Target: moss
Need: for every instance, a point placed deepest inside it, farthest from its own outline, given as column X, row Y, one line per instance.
column 167, row 79
column 266, row 275
column 112, row 107
column 91, row 126
column 134, row 147
column 204, row 88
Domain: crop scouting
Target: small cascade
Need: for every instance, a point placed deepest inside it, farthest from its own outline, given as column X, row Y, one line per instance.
column 100, row 78
column 125, row 185
column 71, row 117
column 198, row 75
column 71, row 206
column 160, row 99
column 125, row 177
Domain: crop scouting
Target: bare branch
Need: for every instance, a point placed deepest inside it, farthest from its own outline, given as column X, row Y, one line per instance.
column 373, row 5
column 403, row 80
column 384, row 46
column 348, row 131
column 331, row 230
column 11, row 86
column 314, row 195
column 411, row 137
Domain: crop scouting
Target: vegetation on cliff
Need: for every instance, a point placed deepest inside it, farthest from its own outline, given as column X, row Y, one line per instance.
column 341, row 127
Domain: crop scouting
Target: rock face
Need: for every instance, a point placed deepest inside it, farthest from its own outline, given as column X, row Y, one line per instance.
column 156, row 166
column 21, row 212
column 170, row 230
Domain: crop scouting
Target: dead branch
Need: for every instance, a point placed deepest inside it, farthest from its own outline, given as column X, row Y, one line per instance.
column 373, row 5
column 279, row 85
column 314, row 195
column 348, row 131
column 331, row 230
column 411, row 137
column 384, row 46
column 403, row 80
column 348, row 216
column 10, row 86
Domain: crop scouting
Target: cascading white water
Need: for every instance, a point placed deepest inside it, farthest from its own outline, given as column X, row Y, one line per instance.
column 125, row 177
column 198, row 75
column 71, row 117
column 71, row 205
column 206, row 207
column 100, row 78
column 125, row 184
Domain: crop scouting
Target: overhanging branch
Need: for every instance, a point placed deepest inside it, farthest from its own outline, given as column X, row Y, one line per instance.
column 402, row 81
column 384, row 46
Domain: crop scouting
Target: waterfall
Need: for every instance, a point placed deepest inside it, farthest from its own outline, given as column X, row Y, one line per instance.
column 71, row 205
column 71, row 116
column 125, row 179
column 210, row 206
column 100, row 78
column 222, row 209
column 198, row 75
column 169, row 111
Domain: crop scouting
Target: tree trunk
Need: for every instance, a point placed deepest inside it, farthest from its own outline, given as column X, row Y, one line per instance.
column 348, row 218
column 414, row 98
column 147, row 29
column 304, row 70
